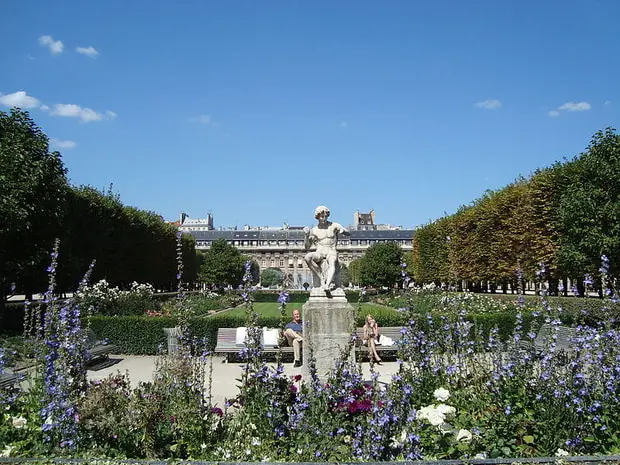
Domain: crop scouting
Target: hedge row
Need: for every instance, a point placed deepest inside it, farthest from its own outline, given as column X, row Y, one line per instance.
column 147, row 336
column 295, row 296
column 571, row 305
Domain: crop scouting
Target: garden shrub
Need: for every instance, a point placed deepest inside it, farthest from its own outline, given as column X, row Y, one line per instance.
column 102, row 299
column 147, row 336
column 202, row 304
column 296, row 296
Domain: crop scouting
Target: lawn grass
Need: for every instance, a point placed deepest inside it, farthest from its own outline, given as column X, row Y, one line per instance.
column 271, row 309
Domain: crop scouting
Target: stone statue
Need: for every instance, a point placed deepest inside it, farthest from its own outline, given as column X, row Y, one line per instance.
column 323, row 262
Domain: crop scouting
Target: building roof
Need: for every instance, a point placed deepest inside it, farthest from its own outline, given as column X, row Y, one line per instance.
column 295, row 235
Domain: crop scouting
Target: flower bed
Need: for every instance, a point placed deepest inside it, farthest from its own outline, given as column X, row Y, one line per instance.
column 460, row 393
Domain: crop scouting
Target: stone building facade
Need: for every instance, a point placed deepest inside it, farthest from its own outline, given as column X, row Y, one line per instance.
column 283, row 247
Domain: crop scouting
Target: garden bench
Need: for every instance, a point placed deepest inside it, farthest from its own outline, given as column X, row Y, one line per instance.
column 96, row 348
column 226, row 342
column 393, row 332
column 8, row 379
column 564, row 342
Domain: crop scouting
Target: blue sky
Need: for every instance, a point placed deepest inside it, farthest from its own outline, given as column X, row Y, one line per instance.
column 258, row 111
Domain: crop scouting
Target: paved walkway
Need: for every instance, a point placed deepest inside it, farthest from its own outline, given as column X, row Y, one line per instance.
column 225, row 375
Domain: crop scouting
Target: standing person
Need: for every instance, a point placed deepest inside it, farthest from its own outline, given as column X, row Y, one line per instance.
column 371, row 337
column 293, row 332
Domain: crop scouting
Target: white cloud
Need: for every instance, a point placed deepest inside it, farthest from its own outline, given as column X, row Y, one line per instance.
column 88, row 51
column 19, row 99
column 63, row 144
column 570, row 106
column 55, row 46
column 84, row 114
column 344, row 124
column 22, row 100
column 201, row 119
column 575, row 106
column 607, row 103
column 489, row 104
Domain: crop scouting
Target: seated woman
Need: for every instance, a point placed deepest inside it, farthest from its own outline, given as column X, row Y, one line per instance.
column 371, row 337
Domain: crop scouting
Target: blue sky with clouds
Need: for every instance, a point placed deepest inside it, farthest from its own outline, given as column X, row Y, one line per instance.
column 259, row 111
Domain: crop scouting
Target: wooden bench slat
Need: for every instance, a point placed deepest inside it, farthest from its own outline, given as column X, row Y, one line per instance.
column 8, row 379
column 94, row 347
column 227, row 343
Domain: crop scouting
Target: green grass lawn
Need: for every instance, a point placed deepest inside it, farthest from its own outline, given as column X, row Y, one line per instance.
column 271, row 309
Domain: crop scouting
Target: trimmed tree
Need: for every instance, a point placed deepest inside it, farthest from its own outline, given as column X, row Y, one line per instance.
column 271, row 277
column 380, row 265
column 222, row 265
column 33, row 185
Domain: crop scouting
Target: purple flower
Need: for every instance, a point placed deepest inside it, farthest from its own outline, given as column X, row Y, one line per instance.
column 283, row 298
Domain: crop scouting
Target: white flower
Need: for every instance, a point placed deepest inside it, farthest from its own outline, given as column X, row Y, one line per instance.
column 436, row 418
column 299, row 451
column 561, row 453
column 464, row 435
column 432, row 415
column 203, row 446
column 395, row 444
column 480, row 456
column 7, row 451
column 445, row 409
column 256, row 442
column 441, row 394
column 19, row 422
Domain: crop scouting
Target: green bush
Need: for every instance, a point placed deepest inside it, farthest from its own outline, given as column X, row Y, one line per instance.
column 147, row 336
column 573, row 310
column 147, row 332
column 296, row 296
column 201, row 304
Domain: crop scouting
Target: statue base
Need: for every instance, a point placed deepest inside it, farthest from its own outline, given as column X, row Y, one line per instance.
column 329, row 321
column 336, row 295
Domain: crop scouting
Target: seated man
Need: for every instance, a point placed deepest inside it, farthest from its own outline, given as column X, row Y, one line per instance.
column 293, row 332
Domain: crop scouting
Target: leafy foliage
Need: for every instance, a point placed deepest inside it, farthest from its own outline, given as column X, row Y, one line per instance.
column 128, row 244
column 380, row 265
column 222, row 265
column 271, row 277
column 565, row 217
column 589, row 207
column 33, row 186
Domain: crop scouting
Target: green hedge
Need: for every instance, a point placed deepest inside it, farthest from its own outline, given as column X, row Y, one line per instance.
column 146, row 335
column 295, row 296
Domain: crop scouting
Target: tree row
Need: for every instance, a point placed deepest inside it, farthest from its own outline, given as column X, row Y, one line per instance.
column 555, row 225
column 38, row 205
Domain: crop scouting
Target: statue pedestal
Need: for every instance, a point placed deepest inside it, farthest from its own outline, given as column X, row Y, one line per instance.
column 329, row 320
